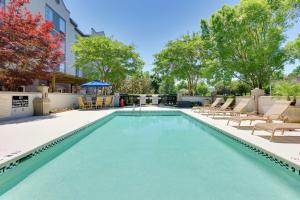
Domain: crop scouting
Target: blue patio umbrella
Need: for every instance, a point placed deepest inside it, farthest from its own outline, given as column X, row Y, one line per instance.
column 95, row 84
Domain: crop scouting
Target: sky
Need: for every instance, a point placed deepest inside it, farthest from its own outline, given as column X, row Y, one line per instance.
column 148, row 24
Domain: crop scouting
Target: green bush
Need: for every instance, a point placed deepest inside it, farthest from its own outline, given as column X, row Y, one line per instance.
column 202, row 89
column 287, row 88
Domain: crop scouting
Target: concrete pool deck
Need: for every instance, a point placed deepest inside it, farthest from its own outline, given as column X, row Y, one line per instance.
column 20, row 137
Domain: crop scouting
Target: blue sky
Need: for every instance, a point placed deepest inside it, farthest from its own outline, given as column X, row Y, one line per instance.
column 148, row 24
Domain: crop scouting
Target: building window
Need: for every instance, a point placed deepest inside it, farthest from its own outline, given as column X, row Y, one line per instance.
column 59, row 25
column 62, row 25
column 58, row 22
column 62, row 67
column 2, row 3
column 49, row 14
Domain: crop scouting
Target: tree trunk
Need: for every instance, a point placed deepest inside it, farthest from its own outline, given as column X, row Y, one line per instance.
column 260, row 85
column 190, row 87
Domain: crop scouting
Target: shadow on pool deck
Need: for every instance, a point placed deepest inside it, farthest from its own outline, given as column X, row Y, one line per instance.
column 283, row 139
column 27, row 119
column 220, row 117
column 244, row 128
column 101, row 109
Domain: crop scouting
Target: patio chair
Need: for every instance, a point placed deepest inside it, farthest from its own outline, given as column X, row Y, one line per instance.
column 273, row 127
column 142, row 99
column 224, row 107
column 108, row 101
column 238, row 109
column 275, row 112
column 99, row 102
column 155, row 100
column 82, row 104
column 207, row 108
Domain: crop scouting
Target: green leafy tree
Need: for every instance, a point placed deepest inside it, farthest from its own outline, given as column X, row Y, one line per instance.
column 183, row 92
column 181, row 60
column 221, row 88
column 181, row 85
column 202, row 88
column 106, row 59
column 155, row 82
column 239, row 88
column 245, row 41
column 167, row 86
column 293, row 49
column 295, row 73
column 137, row 84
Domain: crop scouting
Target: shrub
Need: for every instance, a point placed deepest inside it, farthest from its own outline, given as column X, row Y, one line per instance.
column 287, row 88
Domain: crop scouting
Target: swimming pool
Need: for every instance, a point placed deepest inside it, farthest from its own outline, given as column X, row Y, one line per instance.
column 149, row 155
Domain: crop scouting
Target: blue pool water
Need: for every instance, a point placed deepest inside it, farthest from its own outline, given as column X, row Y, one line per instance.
column 149, row 157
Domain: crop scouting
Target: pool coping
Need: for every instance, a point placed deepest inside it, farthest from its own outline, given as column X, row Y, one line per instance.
column 10, row 163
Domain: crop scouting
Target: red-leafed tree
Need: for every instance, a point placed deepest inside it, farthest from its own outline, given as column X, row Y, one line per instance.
column 28, row 50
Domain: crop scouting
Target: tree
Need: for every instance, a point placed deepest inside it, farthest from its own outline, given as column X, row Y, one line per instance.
column 155, row 82
column 221, row 88
column 167, row 86
column 28, row 50
column 293, row 49
column 181, row 85
column 245, row 41
column 295, row 73
column 181, row 60
column 202, row 89
column 106, row 59
column 137, row 84
column 239, row 88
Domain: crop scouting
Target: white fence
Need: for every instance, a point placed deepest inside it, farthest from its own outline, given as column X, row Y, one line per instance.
column 9, row 109
column 196, row 99
column 63, row 100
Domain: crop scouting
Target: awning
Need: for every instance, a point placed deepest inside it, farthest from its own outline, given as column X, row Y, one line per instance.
column 67, row 79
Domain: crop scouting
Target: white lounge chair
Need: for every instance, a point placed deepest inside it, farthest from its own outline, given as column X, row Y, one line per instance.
column 155, row 100
column 142, row 99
